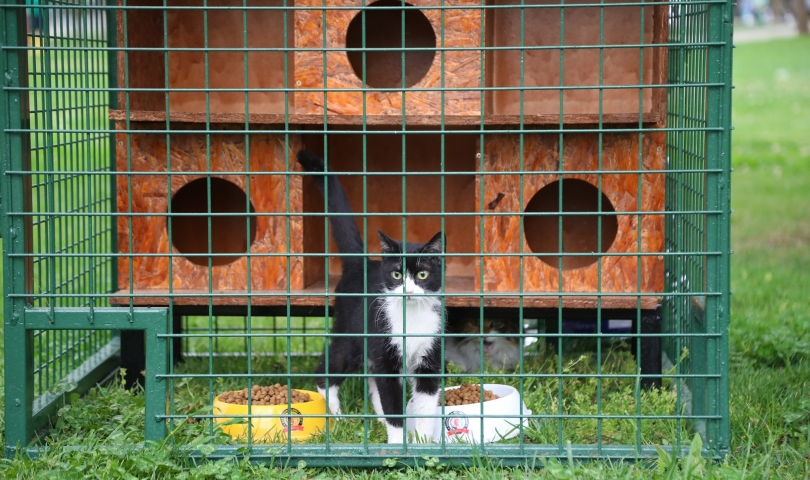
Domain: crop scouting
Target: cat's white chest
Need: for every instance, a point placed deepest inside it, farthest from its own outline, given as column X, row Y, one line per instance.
column 419, row 319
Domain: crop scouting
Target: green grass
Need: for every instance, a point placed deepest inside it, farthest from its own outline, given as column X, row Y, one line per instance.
column 192, row 397
column 771, row 221
column 769, row 334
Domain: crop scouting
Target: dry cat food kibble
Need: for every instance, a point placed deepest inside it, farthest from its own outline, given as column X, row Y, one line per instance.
column 270, row 395
column 466, row 394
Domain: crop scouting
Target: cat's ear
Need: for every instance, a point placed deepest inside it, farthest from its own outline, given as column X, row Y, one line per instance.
column 435, row 245
column 388, row 244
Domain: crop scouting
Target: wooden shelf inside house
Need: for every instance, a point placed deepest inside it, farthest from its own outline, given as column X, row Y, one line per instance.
column 460, row 292
column 147, row 66
column 601, row 47
column 651, row 117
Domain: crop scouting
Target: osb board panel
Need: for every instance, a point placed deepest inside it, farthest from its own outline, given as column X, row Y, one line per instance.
column 149, row 195
column 580, row 153
column 226, row 69
column 541, row 67
column 423, row 192
column 458, row 291
column 473, row 121
column 461, row 68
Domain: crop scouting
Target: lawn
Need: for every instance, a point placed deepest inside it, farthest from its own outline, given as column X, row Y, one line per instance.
column 769, row 336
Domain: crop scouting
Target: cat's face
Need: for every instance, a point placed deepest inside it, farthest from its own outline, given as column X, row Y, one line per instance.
column 499, row 351
column 412, row 275
column 491, row 327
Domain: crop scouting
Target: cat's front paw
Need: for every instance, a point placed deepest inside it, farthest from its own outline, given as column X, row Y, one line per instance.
column 332, row 400
column 394, row 433
column 422, row 406
column 336, row 413
column 424, row 430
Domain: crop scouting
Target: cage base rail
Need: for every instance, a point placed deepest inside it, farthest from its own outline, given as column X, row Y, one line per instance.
column 417, row 454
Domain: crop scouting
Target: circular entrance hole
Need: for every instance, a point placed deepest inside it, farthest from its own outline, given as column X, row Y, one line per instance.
column 228, row 233
column 580, row 232
column 384, row 30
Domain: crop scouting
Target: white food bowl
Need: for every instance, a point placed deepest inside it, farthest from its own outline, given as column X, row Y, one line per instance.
column 462, row 423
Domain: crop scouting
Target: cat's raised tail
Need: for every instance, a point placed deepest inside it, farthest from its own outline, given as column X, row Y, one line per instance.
column 344, row 229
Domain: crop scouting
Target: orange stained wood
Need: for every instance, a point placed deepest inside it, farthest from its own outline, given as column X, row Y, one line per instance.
column 541, row 155
column 189, row 158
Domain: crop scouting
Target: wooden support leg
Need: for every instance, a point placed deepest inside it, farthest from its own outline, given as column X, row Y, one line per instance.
column 177, row 342
column 650, row 356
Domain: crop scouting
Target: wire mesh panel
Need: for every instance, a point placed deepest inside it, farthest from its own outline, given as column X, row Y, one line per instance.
column 451, row 227
column 57, row 146
column 698, row 236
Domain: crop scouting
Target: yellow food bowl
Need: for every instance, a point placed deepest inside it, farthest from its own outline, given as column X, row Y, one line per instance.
column 273, row 423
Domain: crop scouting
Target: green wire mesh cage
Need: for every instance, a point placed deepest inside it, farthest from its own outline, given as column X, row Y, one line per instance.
column 574, row 156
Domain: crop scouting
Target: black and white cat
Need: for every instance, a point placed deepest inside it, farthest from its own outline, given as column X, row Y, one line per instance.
column 402, row 299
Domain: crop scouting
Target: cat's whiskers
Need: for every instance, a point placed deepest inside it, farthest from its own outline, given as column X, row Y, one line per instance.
column 424, row 302
column 385, row 303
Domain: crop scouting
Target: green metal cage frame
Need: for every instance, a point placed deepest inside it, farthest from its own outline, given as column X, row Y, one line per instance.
column 59, row 230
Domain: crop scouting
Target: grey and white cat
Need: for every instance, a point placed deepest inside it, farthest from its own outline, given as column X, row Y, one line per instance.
column 499, row 351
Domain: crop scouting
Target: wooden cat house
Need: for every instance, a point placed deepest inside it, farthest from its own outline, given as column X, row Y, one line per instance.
column 199, row 146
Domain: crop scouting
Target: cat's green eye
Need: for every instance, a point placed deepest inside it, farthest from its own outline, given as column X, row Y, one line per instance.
column 396, row 275
column 497, row 324
column 422, row 274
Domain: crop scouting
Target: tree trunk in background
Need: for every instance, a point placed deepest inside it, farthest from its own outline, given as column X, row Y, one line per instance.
column 778, row 9
column 800, row 12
